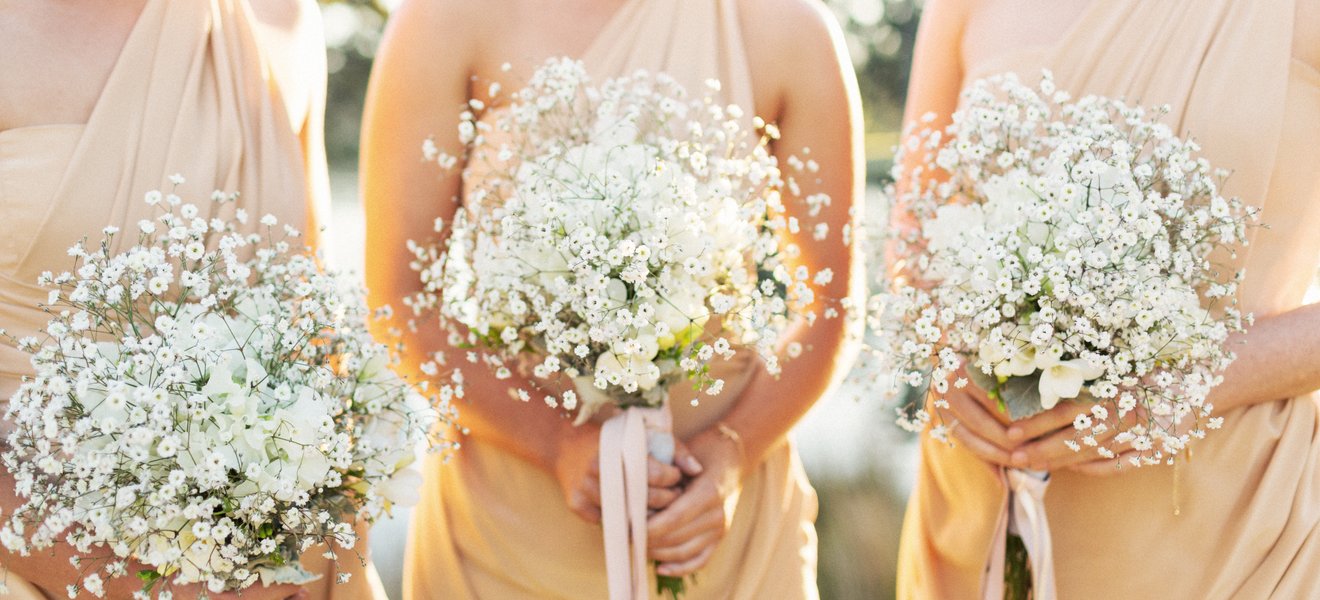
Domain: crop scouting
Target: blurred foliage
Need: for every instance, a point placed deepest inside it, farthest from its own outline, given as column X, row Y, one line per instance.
column 352, row 30
column 880, row 34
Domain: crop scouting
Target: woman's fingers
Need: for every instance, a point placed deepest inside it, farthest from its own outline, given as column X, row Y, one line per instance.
column 709, row 520
column 1038, row 425
column 685, row 461
column 696, row 499
column 584, row 501
column 590, row 488
column 689, row 567
column 978, row 445
column 1051, row 452
column 661, row 475
column 686, row 550
column 658, row 498
column 970, row 414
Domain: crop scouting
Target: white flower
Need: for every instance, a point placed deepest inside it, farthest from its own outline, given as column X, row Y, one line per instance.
column 1063, row 379
column 1069, row 237
column 403, row 488
column 1021, row 362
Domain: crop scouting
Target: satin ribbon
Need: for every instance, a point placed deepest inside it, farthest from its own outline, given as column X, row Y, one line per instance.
column 624, row 442
column 1024, row 515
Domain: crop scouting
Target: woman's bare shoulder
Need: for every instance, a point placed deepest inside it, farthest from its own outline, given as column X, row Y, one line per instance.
column 449, row 32
column 791, row 45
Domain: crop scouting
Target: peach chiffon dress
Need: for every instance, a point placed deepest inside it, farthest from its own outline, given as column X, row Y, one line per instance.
column 190, row 93
column 1248, row 501
column 491, row 525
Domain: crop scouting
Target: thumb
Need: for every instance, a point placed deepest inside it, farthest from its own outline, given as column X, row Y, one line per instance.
column 685, row 461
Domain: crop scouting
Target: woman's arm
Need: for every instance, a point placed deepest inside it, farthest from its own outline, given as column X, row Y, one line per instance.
column 934, row 89
column 1278, row 357
column 819, row 111
column 420, row 83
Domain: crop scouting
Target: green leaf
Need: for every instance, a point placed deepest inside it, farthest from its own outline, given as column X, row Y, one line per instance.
column 1018, row 396
column 675, row 587
column 149, row 578
column 914, row 396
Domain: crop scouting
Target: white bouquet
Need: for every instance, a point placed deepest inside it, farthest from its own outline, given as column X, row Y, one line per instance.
column 209, row 405
column 621, row 234
column 1066, row 250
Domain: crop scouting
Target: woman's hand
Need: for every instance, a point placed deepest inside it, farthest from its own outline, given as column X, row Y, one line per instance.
column 975, row 421
column 683, row 536
column 1041, row 438
column 577, row 467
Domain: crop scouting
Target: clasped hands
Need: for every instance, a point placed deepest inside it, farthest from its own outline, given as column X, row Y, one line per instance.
column 1037, row 442
column 690, row 503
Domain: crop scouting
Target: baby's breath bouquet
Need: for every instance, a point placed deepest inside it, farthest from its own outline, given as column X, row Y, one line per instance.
column 208, row 404
column 622, row 234
column 1064, row 249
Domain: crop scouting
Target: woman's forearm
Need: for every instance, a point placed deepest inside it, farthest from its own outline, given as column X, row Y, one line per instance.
column 772, row 405
column 1277, row 358
column 489, row 410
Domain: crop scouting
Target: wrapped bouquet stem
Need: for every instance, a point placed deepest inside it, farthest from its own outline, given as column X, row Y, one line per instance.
column 627, row 438
column 1011, row 574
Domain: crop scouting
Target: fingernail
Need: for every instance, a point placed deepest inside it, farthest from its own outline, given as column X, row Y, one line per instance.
column 1015, row 433
column 1019, row 459
column 692, row 464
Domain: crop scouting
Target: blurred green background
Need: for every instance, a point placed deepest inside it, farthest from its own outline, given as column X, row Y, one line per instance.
column 860, row 463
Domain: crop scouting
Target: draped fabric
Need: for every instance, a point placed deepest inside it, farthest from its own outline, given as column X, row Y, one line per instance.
column 190, row 94
column 1247, row 520
column 491, row 525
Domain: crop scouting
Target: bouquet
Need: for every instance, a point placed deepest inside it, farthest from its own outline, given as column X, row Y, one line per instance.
column 208, row 405
column 1060, row 250
column 623, row 236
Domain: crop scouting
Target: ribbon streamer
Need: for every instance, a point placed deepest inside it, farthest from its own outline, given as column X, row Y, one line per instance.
column 624, row 442
column 1023, row 514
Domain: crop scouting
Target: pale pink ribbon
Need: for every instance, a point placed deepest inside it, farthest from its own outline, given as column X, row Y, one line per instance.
column 624, row 440
column 1023, row 514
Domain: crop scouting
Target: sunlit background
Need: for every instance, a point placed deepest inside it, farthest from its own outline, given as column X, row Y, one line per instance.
column 860, row 463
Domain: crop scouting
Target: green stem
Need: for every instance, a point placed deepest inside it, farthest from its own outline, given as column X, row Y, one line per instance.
column 1017, row 570
column 675, row 587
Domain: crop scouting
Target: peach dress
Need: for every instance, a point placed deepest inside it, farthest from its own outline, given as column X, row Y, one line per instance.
column 491, row 525
column 190, row 94
column 1249, row 499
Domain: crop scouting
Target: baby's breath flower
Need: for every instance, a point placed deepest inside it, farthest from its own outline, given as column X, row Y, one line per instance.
column 247, row 395
column 628, row 238
column 1068, row 243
